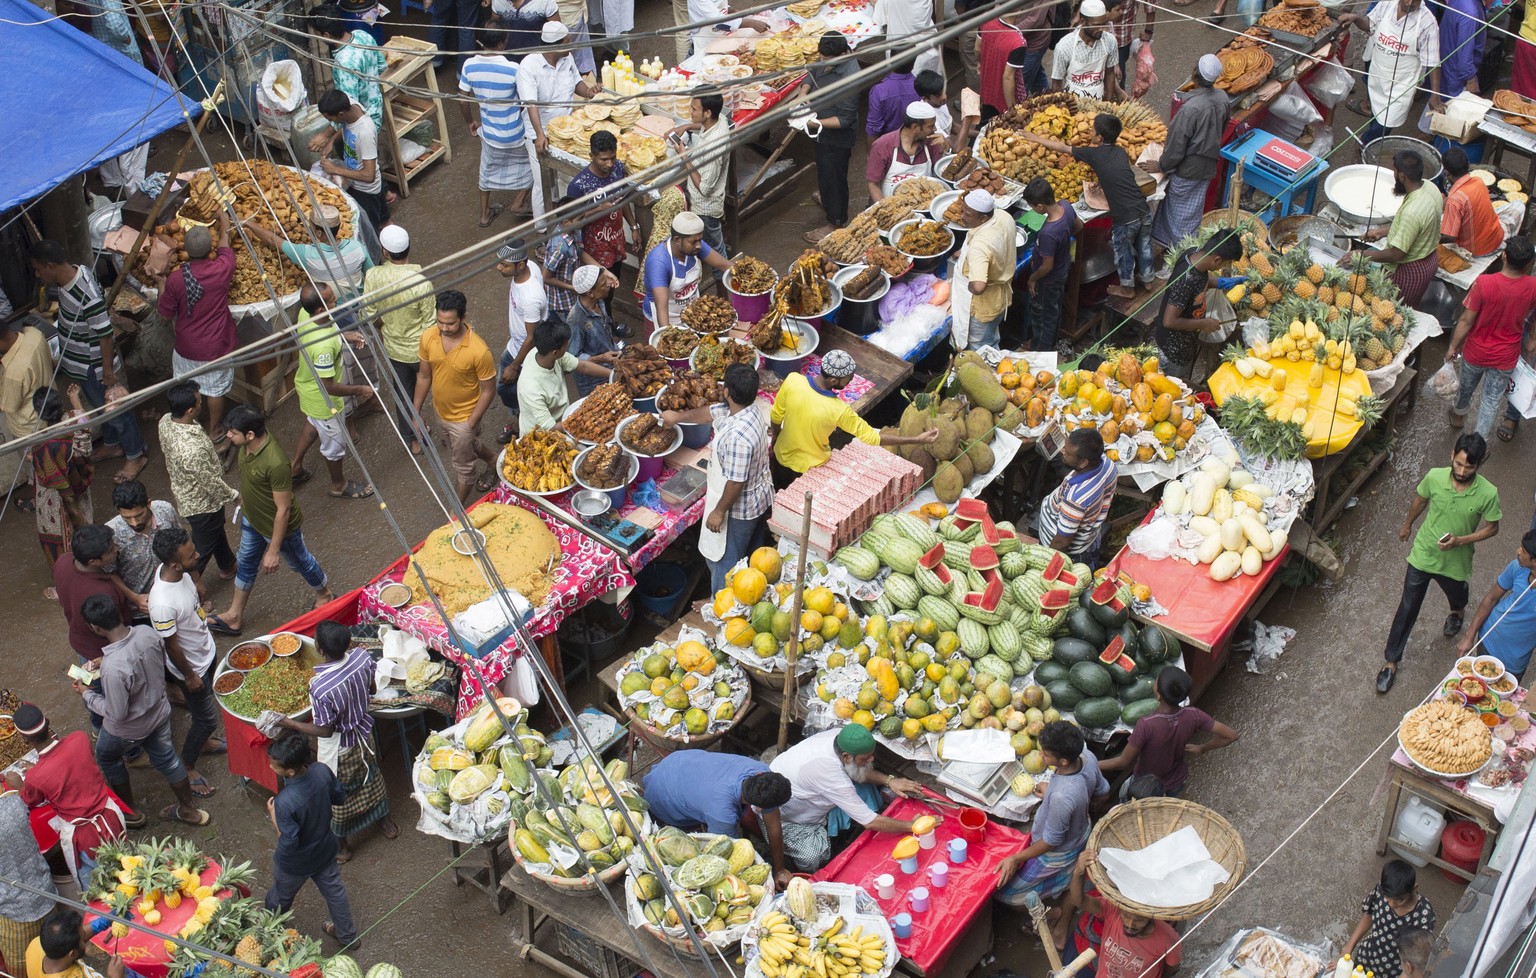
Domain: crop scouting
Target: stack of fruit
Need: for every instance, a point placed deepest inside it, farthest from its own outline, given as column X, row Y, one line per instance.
column 571, row 833
column 1022, row 711
column 683, row 692
column 719, row 882
column 754, row 612
column 1102, row 672
column 966, row 426
column 1231, row 512
column 468, row 777
column 821, row 930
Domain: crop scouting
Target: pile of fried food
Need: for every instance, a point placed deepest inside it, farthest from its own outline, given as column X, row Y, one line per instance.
column 274, row 197
column 639, row 149
column 806, row 286
column 1266, row 956
column 675, row 342
column 1005, row 150
column 1139, row 124
column 642, row 370
column 805, row 8
column 788, row 49
column 647, row 436
column 849, row 243
column 1445, row 738
column 925, row 239
column 690, row 391
column 892, row 211
column 713, row 355
column 982, row 177
column 889, row 260
column 604, row 467
column 573, row 133
column 751, row 276
column 959, row 166
column 710, row 314
column 1243, row 68
column 1305, row 18
column 953, row 214
column 600, row 413
column 1518, row 111
column 540, row 461
column 864, row 283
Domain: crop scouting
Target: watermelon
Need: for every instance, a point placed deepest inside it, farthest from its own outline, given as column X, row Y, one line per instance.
column 1081, row 624
column 984, row 558
column 974, row 641
column 995, row 665
column 1055, row 601
column 1092, row 678
column 1064, row 695
column 1097, row 712
column 934, row 558
column 1049, row 672
column 860, row 563
column 1058, row 563
column 1068, row 651
column 384, row 970
column 1104, row 592
column 1141, row 689
column 1067, row 579
column 970, row 510
column 993, row 595
column 1136, row 710
column 1156, row 646
column 1113, row 650
column 342, row 966
column 940, row 610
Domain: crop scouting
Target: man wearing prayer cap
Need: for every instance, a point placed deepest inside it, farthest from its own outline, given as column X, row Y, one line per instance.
column 593, row 336
column 833, row 786
column 1191, row 156
column 196, row 299
column 401, row 305
column 1086, row 61
column 987, row 261
column 673, row 270
column 548, row 82
column 806, row 412
column 911, row 151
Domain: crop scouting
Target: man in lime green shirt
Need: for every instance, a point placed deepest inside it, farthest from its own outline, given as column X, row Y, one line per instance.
column 1459, row 507
column 318, row 381
column 1412, row 237
column 805, row 417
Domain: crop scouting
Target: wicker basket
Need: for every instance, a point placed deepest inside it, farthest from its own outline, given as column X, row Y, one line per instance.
column 1140, row 823
column 1221, row 218
column 655, row 738
column 581, row 884
column 684, row 946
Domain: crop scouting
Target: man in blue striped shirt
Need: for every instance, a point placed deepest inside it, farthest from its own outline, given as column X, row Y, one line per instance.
column 1072, row 517
column 492, row 79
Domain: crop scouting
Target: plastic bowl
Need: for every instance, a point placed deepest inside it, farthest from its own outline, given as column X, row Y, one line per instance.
column 750, row 306
column 694, row 435
column 1487, row 668
column 785, row 362
column 616, row 494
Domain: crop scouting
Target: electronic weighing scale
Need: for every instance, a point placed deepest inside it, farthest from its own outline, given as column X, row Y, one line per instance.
column 986, row 783
column 1282, row 170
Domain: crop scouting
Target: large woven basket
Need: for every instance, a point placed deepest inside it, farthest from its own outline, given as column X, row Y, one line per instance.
column 656, row 739
column 590, row 883
column 1221, row 217
column 1140, row 823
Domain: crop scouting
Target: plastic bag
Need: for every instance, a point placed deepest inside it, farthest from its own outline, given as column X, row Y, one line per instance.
column 1154, row 540
column 1330, row 83
column 1249, row 11
column 1522, row 389
column 280, row 94
column 1294, row 107
column 1446, row 382
column 1146, row 76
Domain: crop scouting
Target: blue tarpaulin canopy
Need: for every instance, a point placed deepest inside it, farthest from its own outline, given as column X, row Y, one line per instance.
column 70, row 103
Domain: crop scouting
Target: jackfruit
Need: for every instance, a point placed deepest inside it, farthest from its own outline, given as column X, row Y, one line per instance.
column 979, row 425
column 981, row 386
column 981, row 456
column 947, row 483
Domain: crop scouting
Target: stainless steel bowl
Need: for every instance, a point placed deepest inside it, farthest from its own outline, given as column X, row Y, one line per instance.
column 591, row 503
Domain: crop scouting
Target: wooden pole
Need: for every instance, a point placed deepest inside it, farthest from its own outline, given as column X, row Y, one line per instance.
column 165, row 192
column 792, row 651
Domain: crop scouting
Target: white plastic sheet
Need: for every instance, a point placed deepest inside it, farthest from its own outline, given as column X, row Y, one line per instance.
column 1174, row 871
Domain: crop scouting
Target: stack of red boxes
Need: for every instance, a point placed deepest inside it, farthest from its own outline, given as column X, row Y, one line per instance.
column 858, row 483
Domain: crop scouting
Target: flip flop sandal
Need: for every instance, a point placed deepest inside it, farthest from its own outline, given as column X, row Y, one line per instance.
column 172, row 813
column 302, row 476
column 217, row 626
column 203, row 783
column 330, row 929
column 1506, row 429
column 223, row 748
column 351, row 491
column 491, row 217
column 26, row 505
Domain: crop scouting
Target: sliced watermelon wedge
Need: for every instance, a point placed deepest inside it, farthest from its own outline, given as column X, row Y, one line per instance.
column 1113, row 651
column 984, row 558
column 1105, row 592
column 934, row 558
column 1066, row 579
column 973, row 599
column 1055, row 601
column 1057, row 565
column 990, row 534
column 993, row 595
column 970, row 510
column 942, row 573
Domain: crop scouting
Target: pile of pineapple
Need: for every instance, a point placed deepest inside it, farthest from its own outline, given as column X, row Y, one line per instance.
column 1355, row 308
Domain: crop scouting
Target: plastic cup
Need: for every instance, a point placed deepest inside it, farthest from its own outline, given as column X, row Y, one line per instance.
column 957, row 851
column 928, row 839
column 919, row 899
column 938, row 875
column 973, row 824
column 908, row 865
column 885, row 886
column 901, row 925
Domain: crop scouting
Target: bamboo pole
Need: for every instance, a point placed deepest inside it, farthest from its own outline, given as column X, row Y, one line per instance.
column 792, row 651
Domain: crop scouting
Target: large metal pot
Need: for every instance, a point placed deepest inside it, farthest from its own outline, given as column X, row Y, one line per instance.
column 1380, row 151
column 1363, row 194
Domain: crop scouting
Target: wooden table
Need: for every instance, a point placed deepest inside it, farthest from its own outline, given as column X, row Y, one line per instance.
column 1323, row 511
column 887, row 371
column 1407, row 779
column 402, row 110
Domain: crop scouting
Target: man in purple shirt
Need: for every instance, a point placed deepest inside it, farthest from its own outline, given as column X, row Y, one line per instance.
column 889, row 99
column 1462, row 31
column 196, row 299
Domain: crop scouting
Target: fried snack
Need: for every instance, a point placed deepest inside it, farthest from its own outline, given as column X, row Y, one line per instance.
column 1450, row 261
column 1243, row 69
column 767, row 334
column 709, row 314
column 1445, row 738
column 690, row 391
column 604, row 467
column 1306, row 21
column 540, row 461
column 890, row 212
column 919, row 191
column 955, row 212
column 642, row 370
column 804, row 8
column 960, row 165
column 600, row 413
column 713, row 355
column 675, row 343
column 863, row 283
column 1508, row 185
column 806, row 288
column 984, row 178
column 751, row 276
column 646, row 435
column 925, row 239
column 889, row 260
column 848, row 244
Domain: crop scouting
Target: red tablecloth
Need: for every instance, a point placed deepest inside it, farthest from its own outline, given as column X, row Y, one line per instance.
column 141, row 952
column 773, row 97
column 951, row 908
column 586, row 570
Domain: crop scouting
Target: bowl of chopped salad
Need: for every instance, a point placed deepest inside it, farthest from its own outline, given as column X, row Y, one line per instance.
column 281, row 683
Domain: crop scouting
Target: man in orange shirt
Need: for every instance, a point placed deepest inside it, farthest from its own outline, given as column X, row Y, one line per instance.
column 458, row 371
column 1468, row 221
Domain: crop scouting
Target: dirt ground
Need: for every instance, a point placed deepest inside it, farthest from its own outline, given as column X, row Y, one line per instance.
column 1303, row 784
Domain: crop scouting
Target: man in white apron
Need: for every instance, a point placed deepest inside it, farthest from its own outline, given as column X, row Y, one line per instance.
column 674, row 268
column 738, row 488
column 911, row 151
column 1403, row 47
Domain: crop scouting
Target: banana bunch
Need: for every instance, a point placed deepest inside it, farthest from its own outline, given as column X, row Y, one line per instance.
column 786, row 953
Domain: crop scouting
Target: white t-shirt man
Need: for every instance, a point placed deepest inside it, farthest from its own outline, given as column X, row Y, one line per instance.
column 527, row 306
column 1083, row 67
column 360, row 143
column 176, row 612
column 818, row 783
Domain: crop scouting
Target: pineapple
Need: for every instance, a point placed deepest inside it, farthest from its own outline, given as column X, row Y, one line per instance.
column 234, row 875
column 1319, row 366
column 1315, row 274
column 1305, row 289
column 1278, row 380
column 249, row 951
column 1257, row 302
column 1278, row 287
column 1261, row 264
column 118, row 905
column 1238, row 358
column 1359, row 274
column 1397, row 343
column 1382, row 290
column 1375, row 350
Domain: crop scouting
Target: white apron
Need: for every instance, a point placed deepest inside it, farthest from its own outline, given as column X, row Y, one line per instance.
column 328, row 751
column 712, row 542
column 900, row 171
column 960, row 299
column 684, row 290
column 1395, row 69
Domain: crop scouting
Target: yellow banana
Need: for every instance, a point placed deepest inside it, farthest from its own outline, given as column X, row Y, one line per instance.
column 854, row 934
column 837, row 925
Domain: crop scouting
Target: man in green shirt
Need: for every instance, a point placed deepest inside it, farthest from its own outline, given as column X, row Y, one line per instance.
column 318, row 380
column 270, row 518
column 1414, row 233
column 401, row 304
column 541, row 393
column 1459, row 508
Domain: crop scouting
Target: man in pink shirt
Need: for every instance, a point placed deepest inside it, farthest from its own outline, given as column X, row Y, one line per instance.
column 196, row 299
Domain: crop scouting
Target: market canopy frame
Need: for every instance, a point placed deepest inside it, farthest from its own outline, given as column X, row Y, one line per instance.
column 70, row 102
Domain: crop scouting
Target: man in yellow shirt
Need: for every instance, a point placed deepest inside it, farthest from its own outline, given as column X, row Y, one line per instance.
column 59, row 952
column 804, row 419
column 458, row 370
column 990, row 257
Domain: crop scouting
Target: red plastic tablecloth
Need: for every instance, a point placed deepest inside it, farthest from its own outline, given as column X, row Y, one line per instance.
column 951, row 908
column 1201, row 611
column 772, row 98
column 141, row 952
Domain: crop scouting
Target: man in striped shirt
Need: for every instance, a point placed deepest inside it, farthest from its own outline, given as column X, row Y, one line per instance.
column 1073, row 515
column 492, row 79
column 87, row 351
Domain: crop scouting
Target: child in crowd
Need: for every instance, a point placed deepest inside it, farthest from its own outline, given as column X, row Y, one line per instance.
column 1392, row 907
column 1160, row 742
